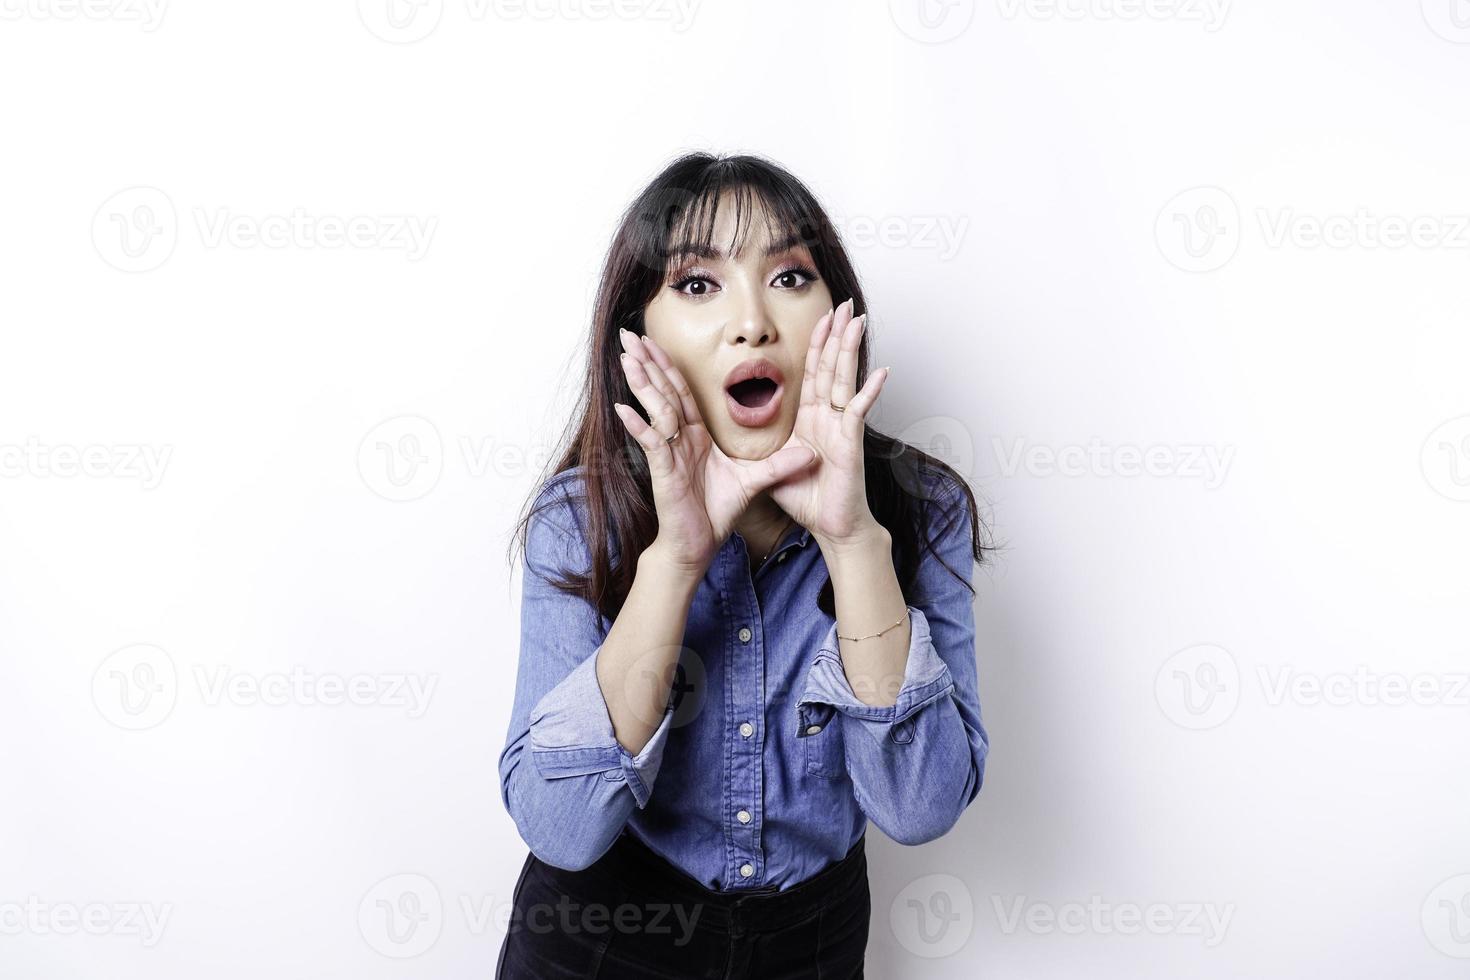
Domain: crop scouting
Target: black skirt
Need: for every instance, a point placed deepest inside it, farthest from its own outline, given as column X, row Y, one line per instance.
column 632, row 914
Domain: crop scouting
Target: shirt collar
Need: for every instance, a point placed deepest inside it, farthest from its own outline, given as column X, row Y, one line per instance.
column 801, row 539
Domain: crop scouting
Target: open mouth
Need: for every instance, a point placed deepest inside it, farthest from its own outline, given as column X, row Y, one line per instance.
column 753, row 392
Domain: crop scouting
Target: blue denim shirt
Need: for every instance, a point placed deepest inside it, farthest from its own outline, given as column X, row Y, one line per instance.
column 766, row 766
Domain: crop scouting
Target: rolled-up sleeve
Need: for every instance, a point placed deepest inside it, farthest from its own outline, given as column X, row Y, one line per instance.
column 566, row 781
column 916, row 764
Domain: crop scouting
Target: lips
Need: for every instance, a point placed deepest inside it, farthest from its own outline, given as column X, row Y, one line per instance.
column 753, row 392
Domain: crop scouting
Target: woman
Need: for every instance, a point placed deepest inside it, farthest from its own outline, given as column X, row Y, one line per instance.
column 701, row 733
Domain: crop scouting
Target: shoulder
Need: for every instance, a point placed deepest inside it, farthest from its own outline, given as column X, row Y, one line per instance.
column 945, row 497
column 562, row 498
column 560, row 520
column 948, row 527
column 556, row 525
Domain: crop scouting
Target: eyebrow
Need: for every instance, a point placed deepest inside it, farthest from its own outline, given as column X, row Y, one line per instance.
column 710, row 253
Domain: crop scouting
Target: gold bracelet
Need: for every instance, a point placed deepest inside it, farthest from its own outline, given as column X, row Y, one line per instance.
column 880, row 632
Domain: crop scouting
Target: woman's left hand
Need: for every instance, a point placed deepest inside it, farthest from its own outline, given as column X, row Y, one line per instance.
column 830, row 498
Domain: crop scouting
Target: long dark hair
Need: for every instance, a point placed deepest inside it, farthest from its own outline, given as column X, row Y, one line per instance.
column 616, row 498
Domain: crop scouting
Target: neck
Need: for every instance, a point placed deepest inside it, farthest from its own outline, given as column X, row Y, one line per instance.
column 763, row 525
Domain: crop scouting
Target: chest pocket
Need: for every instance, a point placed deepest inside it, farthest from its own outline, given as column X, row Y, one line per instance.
column 824, row 751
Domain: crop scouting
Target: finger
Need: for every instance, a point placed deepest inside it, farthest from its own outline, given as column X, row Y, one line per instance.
column 813, row 355
column 638, row 349
column 844, row 382
column 828, row 361
column 661, row 412
column 659, row 453
column 676, row 379
column 780, row 465
column 857, row 409
column 665, row 387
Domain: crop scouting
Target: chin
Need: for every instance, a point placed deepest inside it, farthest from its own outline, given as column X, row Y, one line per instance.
column 754, row 443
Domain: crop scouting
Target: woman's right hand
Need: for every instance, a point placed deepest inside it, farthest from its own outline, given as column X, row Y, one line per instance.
column 698, row 491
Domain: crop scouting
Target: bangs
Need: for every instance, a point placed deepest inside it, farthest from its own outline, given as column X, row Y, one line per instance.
column 690, row 229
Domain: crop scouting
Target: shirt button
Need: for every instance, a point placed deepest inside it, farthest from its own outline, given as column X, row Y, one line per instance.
column 813, row 729
column 782, row 556
column 745, row 634
column 746, row 871
column 747, row 729
column 743, row 816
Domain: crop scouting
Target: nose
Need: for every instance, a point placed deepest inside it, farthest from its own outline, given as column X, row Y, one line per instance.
column 751, row 323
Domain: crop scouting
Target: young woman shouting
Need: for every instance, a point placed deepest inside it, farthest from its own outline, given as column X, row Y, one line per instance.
column 747, row 621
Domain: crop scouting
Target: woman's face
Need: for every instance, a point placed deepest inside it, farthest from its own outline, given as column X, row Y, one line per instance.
column 715, row 314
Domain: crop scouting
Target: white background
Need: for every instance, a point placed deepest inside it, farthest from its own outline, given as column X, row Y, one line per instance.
column 1130, row 195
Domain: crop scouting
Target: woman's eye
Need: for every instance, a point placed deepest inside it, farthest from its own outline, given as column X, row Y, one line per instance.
column 693, row 285
column 794, row 278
